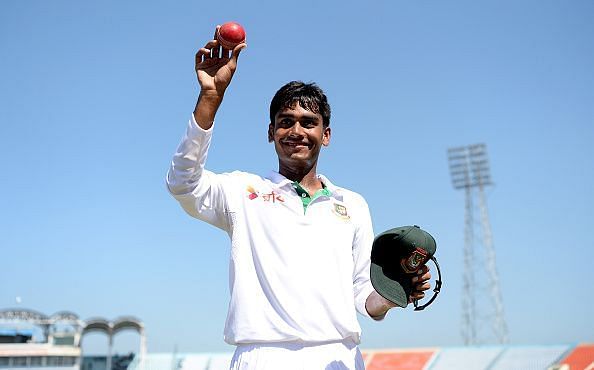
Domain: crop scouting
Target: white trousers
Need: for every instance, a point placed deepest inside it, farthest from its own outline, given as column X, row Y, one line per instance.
column 298, row 356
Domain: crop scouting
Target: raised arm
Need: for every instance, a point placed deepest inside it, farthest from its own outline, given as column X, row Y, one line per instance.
column 215, row 67
column 201, row 193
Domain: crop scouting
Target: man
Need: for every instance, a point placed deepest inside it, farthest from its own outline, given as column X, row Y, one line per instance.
column 300, row 245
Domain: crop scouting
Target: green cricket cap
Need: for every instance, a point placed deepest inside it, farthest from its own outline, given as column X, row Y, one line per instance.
column 396, row 255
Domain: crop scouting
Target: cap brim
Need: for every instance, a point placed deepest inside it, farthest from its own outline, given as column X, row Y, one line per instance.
column 390, row 289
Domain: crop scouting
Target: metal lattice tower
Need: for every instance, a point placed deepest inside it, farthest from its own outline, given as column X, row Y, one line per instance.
column 481, row 296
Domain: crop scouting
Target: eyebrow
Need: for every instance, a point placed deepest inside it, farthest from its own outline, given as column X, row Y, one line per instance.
column 309, row 116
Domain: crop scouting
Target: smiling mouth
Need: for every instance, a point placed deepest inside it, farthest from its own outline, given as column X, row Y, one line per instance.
column 295, row 144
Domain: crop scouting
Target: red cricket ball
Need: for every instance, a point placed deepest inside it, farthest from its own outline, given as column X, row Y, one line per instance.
column 230, row 35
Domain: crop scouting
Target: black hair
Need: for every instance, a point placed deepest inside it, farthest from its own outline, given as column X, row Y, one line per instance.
column 308, row 95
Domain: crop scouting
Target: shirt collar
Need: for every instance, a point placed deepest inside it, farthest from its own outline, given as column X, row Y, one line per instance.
column 278, row 179
column 281, row 181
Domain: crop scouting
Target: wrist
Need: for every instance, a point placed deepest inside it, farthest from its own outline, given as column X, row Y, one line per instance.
column 210, row 98
column 206, row 107
column 377, row 306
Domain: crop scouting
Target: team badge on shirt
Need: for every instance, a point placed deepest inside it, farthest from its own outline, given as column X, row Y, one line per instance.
column 341, row 211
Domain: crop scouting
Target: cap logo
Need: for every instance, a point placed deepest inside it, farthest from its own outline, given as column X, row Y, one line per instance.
column 413, row 262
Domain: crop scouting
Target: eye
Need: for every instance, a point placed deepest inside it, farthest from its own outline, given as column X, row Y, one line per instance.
column 285, row 122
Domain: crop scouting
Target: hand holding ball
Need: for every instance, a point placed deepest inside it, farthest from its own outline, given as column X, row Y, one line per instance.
column 230, row 35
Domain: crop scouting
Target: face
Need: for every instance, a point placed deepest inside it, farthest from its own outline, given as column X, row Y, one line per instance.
column 298, row 135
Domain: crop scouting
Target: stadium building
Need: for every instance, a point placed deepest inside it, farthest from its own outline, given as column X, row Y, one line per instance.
column 32, row 340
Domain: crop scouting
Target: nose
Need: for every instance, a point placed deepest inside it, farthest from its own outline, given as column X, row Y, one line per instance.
column 296, row 129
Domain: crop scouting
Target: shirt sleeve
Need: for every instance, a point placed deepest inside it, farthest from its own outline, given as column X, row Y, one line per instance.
column 362, row 243
column 201, row 193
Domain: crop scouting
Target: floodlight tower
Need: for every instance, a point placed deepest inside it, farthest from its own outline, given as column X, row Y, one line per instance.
column 481, row 295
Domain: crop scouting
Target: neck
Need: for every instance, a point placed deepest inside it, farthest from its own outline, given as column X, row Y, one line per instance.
column 307, row 177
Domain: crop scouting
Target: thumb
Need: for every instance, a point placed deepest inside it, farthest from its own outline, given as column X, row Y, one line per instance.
column 237, row 50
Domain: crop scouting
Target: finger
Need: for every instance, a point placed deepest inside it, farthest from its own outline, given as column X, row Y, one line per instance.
column 225, row 53
column 425, row 276
column 235, row 54
column 212, row 44
column 215, row 52
column 422, row 277
column 418, row 295
column 213, row 49
column 216, row 34
column 237, row 50
column 206, row 49
column 422, row 287
column 201, row 54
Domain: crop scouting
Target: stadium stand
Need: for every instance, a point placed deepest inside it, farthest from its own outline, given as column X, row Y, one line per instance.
column 468, row 358
column 558, row 357
column 414, row 359
column 529, row 357
column 582, row 357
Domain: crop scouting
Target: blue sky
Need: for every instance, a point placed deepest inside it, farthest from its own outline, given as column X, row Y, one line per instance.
column 95, row 97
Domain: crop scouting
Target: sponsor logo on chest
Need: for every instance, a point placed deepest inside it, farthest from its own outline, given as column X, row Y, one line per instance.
column 266, row 197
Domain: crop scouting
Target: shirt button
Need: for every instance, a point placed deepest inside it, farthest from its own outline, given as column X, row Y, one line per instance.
column 303, row 195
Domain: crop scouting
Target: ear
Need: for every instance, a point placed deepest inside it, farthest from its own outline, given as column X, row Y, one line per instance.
column 326, row 136
column 270, row 132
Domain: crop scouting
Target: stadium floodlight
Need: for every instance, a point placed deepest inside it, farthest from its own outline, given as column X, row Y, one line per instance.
column 469, row 166
column 470, row 170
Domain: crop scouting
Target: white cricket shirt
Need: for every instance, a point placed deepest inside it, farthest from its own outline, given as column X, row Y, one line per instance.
column 293, row 275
